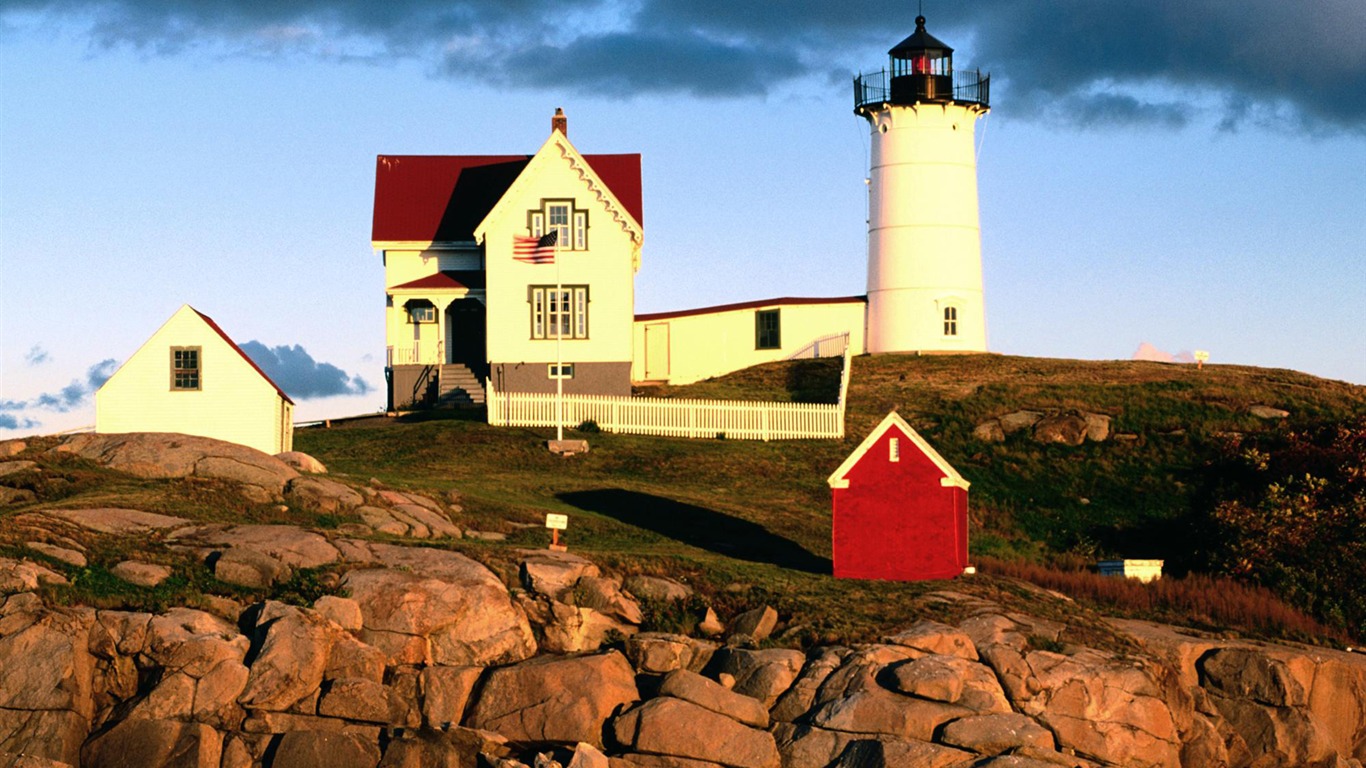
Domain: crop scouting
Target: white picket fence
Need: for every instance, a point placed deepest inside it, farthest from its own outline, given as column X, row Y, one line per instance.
column 669, row 417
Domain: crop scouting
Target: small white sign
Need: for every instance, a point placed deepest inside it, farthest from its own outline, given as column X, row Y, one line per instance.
column 557, row 522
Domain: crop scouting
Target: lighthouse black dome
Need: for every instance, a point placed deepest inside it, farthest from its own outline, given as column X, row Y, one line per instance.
column 920, row 43
column 920, row 71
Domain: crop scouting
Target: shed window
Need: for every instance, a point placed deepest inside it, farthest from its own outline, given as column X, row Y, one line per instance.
column 185, row 368
column 767, row 332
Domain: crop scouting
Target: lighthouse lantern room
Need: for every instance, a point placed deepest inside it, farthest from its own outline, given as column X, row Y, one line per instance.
column 924, row 236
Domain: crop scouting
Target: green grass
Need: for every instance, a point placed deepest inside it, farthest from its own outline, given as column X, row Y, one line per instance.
column 755, row 517
column 748, row 523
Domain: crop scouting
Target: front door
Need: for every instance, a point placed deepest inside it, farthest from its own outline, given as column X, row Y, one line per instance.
column 465, row 342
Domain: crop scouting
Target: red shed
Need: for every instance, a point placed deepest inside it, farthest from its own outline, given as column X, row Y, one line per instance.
column 900, row 509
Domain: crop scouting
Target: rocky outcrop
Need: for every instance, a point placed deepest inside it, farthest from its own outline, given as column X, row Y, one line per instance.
column 425, row 657
column 1062, row 427
column 551, row 699
column 166, row 455
column 321, row 684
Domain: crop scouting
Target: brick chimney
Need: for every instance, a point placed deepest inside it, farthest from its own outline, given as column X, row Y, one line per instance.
column 559, row 122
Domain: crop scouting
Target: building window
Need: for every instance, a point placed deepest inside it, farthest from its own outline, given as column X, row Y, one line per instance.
column 562, row 314
column 894, row 450
column 766, row 330
column 421, row 311
column 561, row 217
column 950, row 321
column 564, row 371
column 185, row 368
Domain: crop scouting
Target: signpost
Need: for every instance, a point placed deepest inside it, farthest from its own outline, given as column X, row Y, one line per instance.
column 1200, row 357
column 556, row 523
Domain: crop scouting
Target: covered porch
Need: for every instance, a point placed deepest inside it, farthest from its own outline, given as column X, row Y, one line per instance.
column 438, row 320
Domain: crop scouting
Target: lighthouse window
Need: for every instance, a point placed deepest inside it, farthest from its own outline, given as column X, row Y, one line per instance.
column 767, row 334
column 950, row 321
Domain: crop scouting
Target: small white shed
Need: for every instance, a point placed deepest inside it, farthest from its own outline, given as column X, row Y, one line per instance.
column 1143, row 570
column 191, row 378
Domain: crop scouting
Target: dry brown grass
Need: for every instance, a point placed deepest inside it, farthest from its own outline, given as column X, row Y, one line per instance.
column 1213, row 603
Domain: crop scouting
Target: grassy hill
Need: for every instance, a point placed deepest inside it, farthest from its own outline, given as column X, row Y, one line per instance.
column 748, row 521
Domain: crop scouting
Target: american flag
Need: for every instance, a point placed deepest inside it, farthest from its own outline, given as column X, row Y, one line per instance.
column 534, row 250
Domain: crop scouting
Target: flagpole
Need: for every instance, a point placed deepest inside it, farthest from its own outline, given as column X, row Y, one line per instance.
column 559, row 336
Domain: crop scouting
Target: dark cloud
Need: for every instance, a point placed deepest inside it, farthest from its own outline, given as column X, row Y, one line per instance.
column 1087, row 62
column 37, row 355
column 299, row 375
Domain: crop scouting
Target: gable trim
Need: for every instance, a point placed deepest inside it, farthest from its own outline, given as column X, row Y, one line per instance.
column 840, row 477
column 587, row 175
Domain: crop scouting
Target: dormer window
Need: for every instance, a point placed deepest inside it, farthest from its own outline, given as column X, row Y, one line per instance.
column 560, row 216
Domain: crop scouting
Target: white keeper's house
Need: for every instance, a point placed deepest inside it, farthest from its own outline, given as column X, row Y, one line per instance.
column 463, row 310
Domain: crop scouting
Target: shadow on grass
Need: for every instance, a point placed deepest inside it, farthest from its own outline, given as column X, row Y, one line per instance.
column 699, row 527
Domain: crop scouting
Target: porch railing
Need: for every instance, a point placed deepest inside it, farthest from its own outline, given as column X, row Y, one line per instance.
column 417, row 353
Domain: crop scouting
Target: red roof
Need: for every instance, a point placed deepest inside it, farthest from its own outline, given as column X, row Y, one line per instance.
column 442, row 198
column 470, row 279
column 786, row 301
column 244, row 355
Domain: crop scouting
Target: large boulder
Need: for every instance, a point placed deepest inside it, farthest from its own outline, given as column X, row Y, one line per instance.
column 302, row 462
column 427, row 606
column 801, row 695
column 996, row 733
column 1264, row 696
column 322, row 495
column 120, row 522
column 711, row 695
column 168, row 454
column 555, row 700
column 952, row 680
column 934, row 637
column 659, row 653
column 763, row 674
column 669, row 726
column 155, row 744
column 886, row 753
column 656, row 588
column 292, row 658
column 291, row 546
column 1111, row 709
column 1068, row 428
column 313, row 749
column 21, row 576
column 550, row 573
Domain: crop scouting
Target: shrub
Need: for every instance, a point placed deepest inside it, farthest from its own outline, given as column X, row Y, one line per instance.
column 589, row 426
column 1289, row 513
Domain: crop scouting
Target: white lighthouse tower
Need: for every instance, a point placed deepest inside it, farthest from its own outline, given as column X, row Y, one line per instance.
column 924, row 238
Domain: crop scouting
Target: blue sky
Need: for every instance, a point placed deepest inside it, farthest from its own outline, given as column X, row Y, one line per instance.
column 1191, row 174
